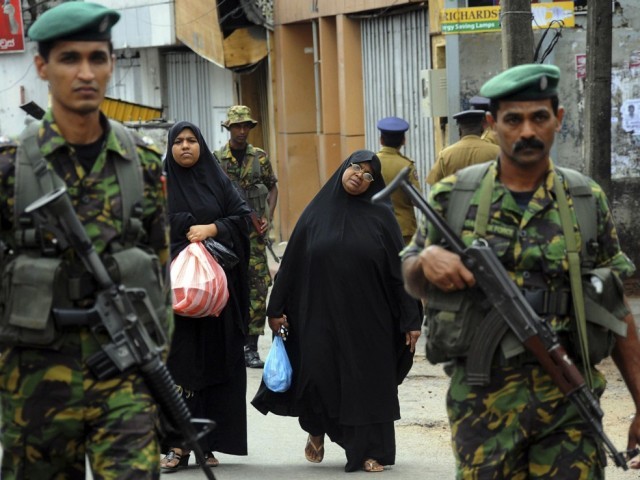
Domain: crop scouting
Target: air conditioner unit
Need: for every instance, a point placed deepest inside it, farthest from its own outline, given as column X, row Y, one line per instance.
column 433, row 89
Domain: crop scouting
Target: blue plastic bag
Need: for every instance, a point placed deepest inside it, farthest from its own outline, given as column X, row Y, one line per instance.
column 277, row 368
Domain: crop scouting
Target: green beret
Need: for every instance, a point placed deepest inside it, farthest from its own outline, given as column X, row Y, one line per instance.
column 76, row 21
column 523, row 82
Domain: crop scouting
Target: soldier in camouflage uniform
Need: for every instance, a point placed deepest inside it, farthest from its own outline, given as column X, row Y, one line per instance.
column 250, row 169
column 520, row 425
column 54, row 410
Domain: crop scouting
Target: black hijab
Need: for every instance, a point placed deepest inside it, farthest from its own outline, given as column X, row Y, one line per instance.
column 200, row 194
column 340, row 285
column 204, row 351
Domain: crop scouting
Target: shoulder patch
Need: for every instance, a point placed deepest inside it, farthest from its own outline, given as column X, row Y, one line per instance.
column 7, row 142
column 147, row 143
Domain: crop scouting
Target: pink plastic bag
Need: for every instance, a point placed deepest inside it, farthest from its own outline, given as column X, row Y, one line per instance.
column 198, row 283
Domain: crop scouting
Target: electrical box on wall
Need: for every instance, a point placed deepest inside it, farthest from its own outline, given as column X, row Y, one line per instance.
column 433, row 89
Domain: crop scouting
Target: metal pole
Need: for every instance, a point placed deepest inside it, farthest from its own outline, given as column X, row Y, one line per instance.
column 598, row 93
column 517, row 35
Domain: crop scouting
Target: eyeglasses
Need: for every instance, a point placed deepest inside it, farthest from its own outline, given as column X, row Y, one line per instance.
column 358, row 169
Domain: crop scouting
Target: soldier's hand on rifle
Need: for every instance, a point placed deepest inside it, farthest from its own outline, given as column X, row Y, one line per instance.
column 276, row 322
column 445, row 269
column 634, row 441
column 264, row 225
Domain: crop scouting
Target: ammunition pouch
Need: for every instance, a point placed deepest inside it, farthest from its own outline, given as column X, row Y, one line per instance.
column 605, row 310
column 31, row 286
column 257, row 199
column 140, row 270
column 451, row 321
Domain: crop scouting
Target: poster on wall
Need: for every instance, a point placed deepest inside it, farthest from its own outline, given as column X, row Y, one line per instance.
column 630, row 113
column 11, row 27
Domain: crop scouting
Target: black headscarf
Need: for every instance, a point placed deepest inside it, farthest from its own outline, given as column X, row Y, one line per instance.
column 202, row 194
column 341, row 287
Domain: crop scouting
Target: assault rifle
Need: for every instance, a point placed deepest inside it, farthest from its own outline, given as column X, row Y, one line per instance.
column 512, row 311
column 130, row 345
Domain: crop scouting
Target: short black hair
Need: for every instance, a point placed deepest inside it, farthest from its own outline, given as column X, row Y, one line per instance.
column 44, row 48
column 392, row 139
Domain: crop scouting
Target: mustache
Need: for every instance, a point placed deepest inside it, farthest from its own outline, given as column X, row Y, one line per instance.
column 528, row 143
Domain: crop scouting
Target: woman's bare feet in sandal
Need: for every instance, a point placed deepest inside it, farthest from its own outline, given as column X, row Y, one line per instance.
column 314, row 449
column 175, row 459
column 372, row 465
column 211, row 460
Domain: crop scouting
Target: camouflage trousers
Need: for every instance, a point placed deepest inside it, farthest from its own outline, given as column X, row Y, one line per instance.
column 54, row 412
column 520, row 427
column 259, row 283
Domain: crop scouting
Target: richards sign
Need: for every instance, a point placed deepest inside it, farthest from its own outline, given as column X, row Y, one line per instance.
column 487, row 19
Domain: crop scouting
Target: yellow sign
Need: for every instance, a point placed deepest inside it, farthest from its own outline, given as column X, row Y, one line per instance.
column 487, row 19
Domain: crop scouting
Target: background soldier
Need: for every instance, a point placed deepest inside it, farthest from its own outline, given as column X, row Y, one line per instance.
column 54, row 410
column 250, row 169
column 469, row 150
column 392, row 139
column 520, row 424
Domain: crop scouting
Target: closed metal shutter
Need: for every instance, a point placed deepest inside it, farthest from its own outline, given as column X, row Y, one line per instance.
column 200, row 92
column 395, row 48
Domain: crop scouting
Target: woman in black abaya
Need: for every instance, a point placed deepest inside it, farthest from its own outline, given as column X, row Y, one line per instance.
column 352, row 327
column 206, row 358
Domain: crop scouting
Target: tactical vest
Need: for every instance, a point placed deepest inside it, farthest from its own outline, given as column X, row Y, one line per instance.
column 454, row 321
column 257, row 192
column 36, row 279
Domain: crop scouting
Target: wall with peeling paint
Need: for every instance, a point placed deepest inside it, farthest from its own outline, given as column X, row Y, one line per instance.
column 480, row 59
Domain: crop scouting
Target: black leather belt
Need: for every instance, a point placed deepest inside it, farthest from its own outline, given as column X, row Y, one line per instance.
column 546, row 302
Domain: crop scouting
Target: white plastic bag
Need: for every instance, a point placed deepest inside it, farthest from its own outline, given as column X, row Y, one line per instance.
column 198, row 283
column 277, row 368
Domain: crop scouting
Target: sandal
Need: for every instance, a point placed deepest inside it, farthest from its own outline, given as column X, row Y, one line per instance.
column 210, row 460
column 181, row 460
column 312, row 453
column 371, row 465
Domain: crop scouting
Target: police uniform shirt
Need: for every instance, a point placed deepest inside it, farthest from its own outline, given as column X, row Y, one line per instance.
column 469, row 150
column 392, row 162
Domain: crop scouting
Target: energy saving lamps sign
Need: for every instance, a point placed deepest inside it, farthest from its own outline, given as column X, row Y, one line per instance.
column 11, row 27
column 487, row 19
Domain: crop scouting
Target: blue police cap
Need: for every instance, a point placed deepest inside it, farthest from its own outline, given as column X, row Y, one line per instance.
column 393, row 125
column 469, row 116
column 479, row 103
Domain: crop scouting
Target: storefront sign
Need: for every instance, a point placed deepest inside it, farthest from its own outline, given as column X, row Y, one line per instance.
column 11, row 27
column 487, row 19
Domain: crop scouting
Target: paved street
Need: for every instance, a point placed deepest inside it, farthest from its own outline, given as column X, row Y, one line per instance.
column 276, row 444
column 422, row 435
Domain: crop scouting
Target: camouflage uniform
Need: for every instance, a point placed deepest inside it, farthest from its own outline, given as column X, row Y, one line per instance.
column 53, row 409
column 521, row 426
column 392, row 162
column 259, row 276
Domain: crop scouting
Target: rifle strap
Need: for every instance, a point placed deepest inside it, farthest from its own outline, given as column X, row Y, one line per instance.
column 574, row 274
column 31, row 163
column 131, row 184
column 468, row 181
